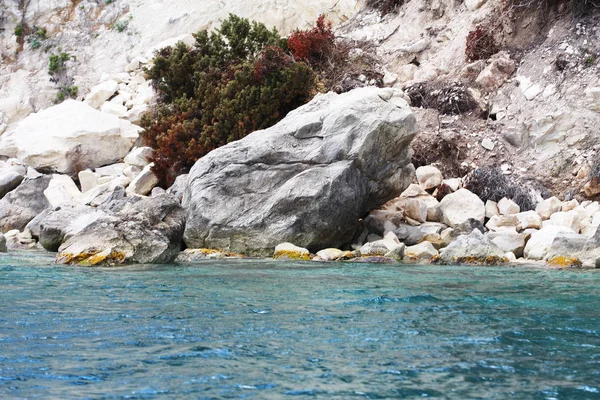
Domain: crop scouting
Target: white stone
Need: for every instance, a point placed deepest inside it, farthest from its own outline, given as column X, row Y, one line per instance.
column 113, row 108
column 454, row 183
column 423, row 251
column 132, row 66
column 61, row 191
column 144, row 182
column 487, row 144
column 473, row 5
column 546, row 208
column 112, row 169
column 507, row 207
column 491, row 209
column 461, row 205
column 70, row 136
column 101, row 92
column 569, row 205
column 529, row 219
column 540, row 242
column 118, row 100
column 429, row 177
column 415, row 209
column 88, row 180
column 136, row 112
column 503, row 223
column 139, row 156
column 568, row 219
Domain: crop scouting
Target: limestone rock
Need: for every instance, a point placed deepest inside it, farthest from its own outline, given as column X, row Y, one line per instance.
column 510, row 242
column 569, row 219
column 461, row 205
column 491, row 209
column 61, row 191
column 88, row 180
column 101, row 92
column 332, row 254
column 569, row 205
column 415, row 209
column 547, row 207
column 289, row 251
column 591, row 188
column 110, row 107
column 3, row 248
column 429, row 177
column 144, row 182
column 70, row 136
column 9, row 180
column 59, row 225
column 423, row 251
column 135, row 230
column 22, row 204
column 508, row 207
column 504, row 223
column 139, row 156
column 540, row 242
column 474, row 4
column 474, row 248
column 529, row 219
column 307, row 180
column 383, row 247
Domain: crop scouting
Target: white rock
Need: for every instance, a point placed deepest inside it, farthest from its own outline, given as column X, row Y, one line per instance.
column 429, row 177
column 70, row 136
column 144, row 94
column 101, row 92
column 461, row 205
column 144, row 182
column 474, row 4
column 61, row 191
column 132, row 171
column 423, row 251
column 507, row 207
column 540, row 242
column 491, row 209
column 487, row 144
column 454, row 183
column 118, row 100
column 132, row 66
column 529, row 219
column 415, row 209
column 139, row 156
column 569, row 205
column 569, row 219
column 503, row 223
column 88, row 180
column 291, row 248
column 136, row 112
column 546, row 208
column 112, row 170
column 114, row 108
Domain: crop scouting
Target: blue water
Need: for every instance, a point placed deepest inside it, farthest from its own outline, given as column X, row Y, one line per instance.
column 267, row 330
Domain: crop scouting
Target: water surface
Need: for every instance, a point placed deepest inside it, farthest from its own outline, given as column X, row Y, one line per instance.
column 267, row 330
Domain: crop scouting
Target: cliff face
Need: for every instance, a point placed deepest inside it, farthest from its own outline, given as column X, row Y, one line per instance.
column 103, row 36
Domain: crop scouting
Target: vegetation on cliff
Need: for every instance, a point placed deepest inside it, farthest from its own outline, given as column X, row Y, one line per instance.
column 236, row 79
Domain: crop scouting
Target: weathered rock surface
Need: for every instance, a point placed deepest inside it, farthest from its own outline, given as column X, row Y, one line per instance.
column 429, row 177
column 461, row 205
column 3, row 248
column 70, row 136
column 423, row 251
column 9, row 180
column 307, row 180
column 22, row 204
column 472, row 249
column 540, row 242
column 135, row 230
column 59, row 225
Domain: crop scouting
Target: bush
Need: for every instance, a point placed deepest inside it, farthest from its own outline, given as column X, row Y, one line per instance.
column 490, row 184
column 66, row 92
column 58, row 62
column 233, row 81
column 19, row 30
column 446, row 97
column 481, row 44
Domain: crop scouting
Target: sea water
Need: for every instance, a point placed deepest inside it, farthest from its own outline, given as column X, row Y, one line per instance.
column 271, row 330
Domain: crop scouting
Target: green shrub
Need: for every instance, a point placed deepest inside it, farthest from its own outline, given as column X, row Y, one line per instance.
column 58, row 62
column 19, row 30
column 233, row 81
column 120, row 26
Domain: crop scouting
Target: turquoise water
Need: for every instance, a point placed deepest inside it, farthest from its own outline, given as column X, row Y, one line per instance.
column 267, row 330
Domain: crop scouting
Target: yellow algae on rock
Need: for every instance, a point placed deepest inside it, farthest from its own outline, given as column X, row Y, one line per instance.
column 288, row 251
column 565, row 262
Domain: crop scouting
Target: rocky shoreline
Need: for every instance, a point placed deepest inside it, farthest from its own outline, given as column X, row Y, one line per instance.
column 308, row 181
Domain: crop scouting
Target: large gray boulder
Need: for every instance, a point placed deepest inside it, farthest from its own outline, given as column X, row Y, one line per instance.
column 9, row 180
column 3, row 248
column 60, row 225
column 306, row 180
column 134, row 230
column 22, row 204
